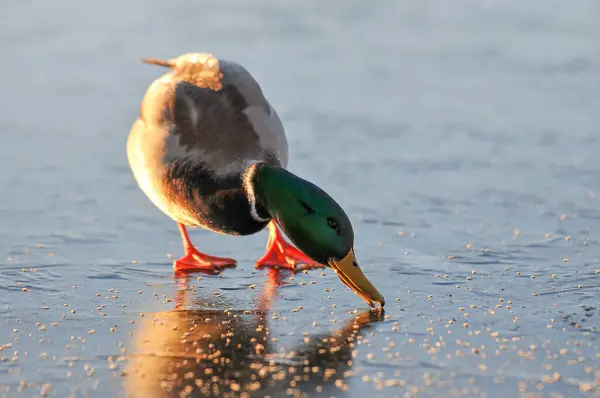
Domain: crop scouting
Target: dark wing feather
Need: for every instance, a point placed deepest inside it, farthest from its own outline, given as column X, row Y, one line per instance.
column 211, row 120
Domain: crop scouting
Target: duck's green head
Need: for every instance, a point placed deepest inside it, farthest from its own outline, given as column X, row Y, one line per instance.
column 315, row 223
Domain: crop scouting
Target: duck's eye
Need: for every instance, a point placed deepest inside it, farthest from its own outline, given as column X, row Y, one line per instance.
column 332, row 222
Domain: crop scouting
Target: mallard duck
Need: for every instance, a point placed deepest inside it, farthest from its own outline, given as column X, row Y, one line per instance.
column 210, row 151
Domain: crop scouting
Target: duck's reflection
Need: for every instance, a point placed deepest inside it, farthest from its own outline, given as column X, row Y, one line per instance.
column 188, row 353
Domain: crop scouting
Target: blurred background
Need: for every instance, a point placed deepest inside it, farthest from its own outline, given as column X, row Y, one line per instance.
column 461, row 138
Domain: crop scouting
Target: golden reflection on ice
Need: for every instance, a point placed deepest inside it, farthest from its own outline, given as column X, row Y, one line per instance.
column 230, row 352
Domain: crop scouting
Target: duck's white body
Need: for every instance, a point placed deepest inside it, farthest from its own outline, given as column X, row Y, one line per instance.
column 201, row 126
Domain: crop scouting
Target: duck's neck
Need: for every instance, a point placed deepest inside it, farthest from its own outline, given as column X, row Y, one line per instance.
column 268, row 188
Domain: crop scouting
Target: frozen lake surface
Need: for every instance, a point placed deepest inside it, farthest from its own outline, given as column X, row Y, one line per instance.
column 462, row 139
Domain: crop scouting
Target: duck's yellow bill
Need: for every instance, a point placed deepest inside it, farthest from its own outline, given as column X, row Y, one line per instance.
column 350, row 273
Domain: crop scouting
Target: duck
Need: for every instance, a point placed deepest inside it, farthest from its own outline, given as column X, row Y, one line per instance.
column 210, row 151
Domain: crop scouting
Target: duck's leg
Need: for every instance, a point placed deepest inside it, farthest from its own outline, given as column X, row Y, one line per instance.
column 282, row 254
column 194, row 261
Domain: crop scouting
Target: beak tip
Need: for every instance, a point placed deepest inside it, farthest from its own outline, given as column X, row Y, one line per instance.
column 379, row 300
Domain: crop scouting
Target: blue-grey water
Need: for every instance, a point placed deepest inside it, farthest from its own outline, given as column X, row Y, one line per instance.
column 462, row 138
